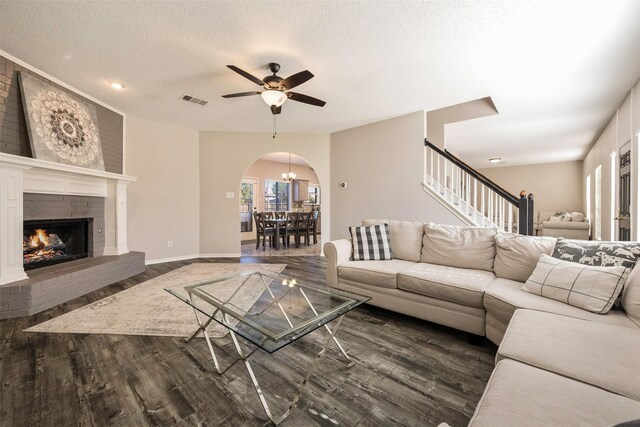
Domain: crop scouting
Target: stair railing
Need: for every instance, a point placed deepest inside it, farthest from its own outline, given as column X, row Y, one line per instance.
column 473, row 195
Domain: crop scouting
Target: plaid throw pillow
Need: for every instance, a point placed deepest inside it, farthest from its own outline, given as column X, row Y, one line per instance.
column 592, row 288
column 371, row 242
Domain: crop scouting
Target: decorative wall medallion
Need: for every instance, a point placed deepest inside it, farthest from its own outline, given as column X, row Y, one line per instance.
column 61, row 128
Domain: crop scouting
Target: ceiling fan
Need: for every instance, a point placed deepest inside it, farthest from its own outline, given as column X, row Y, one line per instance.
column 276, row 89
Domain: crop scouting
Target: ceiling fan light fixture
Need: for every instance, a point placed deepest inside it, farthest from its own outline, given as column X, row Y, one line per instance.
column 273, row 97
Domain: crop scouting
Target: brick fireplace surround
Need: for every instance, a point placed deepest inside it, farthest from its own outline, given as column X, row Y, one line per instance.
column 36, row 189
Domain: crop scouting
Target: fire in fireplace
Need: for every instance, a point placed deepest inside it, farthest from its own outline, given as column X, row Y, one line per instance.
column 48, row 242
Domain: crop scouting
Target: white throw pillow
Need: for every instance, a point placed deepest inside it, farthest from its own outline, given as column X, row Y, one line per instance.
column 517, row 255
column 577, row 217
column 555, row 219
column 587, row 287
column 463, row 247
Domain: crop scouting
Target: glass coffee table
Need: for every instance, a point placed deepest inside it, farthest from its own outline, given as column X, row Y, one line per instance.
column 271, row 311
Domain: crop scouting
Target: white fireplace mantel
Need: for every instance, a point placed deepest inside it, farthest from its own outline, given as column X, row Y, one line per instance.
column 19, row 175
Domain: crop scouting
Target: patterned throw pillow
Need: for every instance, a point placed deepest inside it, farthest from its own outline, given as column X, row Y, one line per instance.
column 371, row 242
column 606, row 254
column 584, row 286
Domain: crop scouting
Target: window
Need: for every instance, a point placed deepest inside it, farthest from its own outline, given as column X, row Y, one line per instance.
column 276, row 196
column 588, row 197
column 246, row 197
column 613, row 195
column 314, row 194
column 598, row 204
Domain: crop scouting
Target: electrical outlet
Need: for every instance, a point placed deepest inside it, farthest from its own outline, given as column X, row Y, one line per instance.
column 230, row 195
column 169, row 243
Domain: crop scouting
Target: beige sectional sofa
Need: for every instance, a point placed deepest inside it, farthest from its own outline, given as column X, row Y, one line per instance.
column 553, row 351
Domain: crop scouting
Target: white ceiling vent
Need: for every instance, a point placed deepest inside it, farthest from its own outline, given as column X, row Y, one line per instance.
column 193, row 99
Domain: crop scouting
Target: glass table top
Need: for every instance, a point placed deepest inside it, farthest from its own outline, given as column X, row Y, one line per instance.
column 270, row 310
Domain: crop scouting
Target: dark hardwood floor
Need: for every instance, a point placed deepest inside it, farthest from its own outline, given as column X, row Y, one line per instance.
column 408, row 372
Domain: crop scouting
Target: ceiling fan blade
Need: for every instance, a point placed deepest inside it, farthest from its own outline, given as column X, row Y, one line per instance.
column 295, row 80
column 246, row 75
column 236, row 95
column 276, row 110
column 306, row 99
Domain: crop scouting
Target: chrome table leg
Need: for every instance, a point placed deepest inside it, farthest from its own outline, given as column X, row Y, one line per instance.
column 310, row 370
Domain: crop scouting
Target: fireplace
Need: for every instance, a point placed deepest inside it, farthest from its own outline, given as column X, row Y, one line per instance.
column 48, row 242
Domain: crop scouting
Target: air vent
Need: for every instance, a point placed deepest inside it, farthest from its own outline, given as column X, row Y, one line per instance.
column 193, row 99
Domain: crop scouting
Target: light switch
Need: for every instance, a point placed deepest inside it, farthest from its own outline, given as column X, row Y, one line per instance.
column 230, row 195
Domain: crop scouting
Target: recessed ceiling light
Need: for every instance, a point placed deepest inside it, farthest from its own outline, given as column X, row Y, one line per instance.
column 496, row 160
column 116, row 85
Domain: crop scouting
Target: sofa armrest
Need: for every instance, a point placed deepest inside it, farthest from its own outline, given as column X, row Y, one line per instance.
column 337, row 252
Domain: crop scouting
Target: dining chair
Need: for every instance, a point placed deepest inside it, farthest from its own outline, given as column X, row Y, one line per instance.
column 290, row 228
column 316, row 220
column 304, row 228
column 263, row 231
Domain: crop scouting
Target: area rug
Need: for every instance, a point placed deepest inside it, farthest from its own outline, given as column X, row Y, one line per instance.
column 147, row 309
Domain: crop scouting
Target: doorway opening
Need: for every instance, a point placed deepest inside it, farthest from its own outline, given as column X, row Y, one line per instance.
column 284, row 186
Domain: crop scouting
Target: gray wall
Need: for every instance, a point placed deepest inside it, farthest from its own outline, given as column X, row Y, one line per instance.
column 14, row 138
column 382, row 164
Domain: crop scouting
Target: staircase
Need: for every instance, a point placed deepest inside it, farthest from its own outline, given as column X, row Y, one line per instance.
column 471, row 196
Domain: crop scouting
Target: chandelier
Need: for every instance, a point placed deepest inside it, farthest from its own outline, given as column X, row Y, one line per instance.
column 289, row 176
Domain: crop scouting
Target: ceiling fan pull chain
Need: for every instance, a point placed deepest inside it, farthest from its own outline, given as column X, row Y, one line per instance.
column 274, row 126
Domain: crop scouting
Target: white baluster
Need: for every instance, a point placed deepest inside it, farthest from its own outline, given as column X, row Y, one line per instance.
column 510, row 222
column 431, row 165
column 483, row 205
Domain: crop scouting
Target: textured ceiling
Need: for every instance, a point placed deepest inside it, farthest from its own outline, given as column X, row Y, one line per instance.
column 555, row 70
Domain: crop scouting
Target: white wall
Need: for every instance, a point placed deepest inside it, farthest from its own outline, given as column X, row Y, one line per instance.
column 163, row 204
column 623, row 126
column 224, row 158
column 555, row 186
column 382, row 165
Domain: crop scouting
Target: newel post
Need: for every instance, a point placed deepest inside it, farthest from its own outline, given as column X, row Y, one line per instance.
column 525, row 214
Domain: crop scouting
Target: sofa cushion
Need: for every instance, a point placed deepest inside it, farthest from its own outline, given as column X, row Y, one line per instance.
column 405, row 237
column 565, row 225
column 577, row 349
column 459, row 285
column 521, row 395
column 631, row 296
column 464, row 247
column 504, row 296
column 588, row 287
column 375, row 273
column 597, row 253
column 517, row 255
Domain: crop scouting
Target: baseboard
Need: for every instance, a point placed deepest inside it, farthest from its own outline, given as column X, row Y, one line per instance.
column 171, row 259
column 193, row 256
column 227, row 255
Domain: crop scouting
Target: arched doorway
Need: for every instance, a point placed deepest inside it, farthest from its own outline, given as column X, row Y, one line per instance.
column 266, row 188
